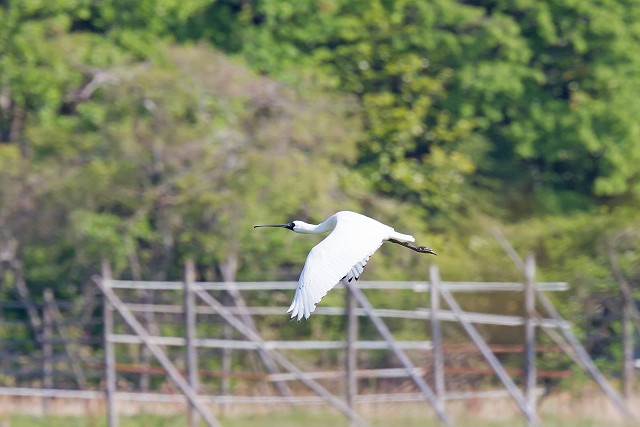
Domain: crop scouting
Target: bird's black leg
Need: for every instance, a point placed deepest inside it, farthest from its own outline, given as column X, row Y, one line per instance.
column 421, row 249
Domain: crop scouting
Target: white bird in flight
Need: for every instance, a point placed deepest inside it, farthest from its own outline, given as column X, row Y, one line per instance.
column 342, row 255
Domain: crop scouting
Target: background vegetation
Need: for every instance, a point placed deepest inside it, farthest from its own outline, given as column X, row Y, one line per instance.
column 148, row 132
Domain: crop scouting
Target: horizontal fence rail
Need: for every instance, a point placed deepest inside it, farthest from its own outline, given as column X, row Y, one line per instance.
column 240, row 400
column 365, row 285
column 276, row 345
column 424, row 314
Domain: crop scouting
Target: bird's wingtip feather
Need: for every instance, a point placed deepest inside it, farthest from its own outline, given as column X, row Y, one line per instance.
column 301, row 306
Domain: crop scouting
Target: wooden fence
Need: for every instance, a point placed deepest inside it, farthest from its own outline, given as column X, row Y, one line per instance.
column 240, row 316
column 133, row 331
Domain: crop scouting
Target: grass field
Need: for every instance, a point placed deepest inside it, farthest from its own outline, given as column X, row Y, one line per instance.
column 590, row 409
column 295, row 418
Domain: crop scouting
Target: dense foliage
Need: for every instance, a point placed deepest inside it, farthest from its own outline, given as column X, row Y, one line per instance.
column 147, row 132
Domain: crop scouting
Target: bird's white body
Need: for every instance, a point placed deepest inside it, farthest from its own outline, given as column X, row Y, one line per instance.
column 341, row 255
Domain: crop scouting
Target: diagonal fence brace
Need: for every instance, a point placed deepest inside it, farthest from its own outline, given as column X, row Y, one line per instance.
column 401, row 355
column 514, row 391
column 583, row 359
column 157, row 352
column 579, row 354
column 268, row 362
column 277, row 357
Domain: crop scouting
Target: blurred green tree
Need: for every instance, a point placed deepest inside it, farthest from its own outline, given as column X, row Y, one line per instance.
column 531, row 101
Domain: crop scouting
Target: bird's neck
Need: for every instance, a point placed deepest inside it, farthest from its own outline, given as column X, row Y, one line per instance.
column 305, row 228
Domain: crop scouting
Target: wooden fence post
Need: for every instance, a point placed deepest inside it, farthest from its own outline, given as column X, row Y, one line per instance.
column 630, row 319
column 351, row 356
column 190, row 332
column 436, row 334
column 225, row 365
column 109, row 350
column 628, row 369
column 530, row 332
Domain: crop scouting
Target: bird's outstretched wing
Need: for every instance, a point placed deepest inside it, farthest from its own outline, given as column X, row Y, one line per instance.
column 342, row 254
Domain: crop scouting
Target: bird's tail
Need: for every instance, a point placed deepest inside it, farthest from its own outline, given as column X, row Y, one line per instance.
column 402, row 237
